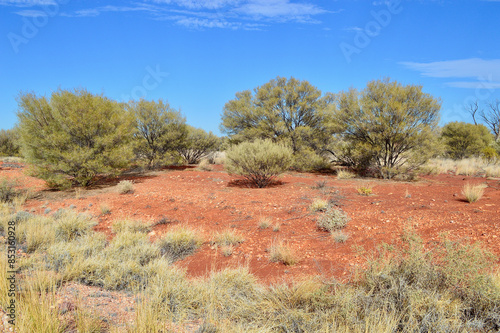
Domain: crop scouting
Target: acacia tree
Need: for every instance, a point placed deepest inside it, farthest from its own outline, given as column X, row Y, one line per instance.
column 160, row 130
column 74, row 136
column 464, row 140
column 198, row 144
column 9, row 142
column 394, row 124
column 289, row 111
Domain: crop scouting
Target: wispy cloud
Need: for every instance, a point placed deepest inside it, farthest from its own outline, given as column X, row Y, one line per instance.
column 230, row 14
column 475, row 70
column 27, row 3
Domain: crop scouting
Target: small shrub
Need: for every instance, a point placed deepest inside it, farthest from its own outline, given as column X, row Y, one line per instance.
column 260, row 161
column 276, row 227
column 282, row 252
column 332, row 219
column 473, row 193
column 339, row 236
column 227, row 238
column 264, row 222
column 365, row 189
column 179, row 243
column 7, row 190
column 126, row 187
column 131, row 226
column 344, row 174
column 318, row 205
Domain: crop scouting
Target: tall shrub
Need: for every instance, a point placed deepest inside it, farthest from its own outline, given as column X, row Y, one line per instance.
column 74, row 136
column 260, row 161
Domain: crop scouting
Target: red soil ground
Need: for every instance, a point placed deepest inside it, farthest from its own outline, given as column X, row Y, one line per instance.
column 212, row 201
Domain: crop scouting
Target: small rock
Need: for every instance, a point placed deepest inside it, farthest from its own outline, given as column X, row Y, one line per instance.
column 90, row 205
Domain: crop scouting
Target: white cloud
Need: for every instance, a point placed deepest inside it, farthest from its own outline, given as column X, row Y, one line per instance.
column 479, row 72
column 279, row 8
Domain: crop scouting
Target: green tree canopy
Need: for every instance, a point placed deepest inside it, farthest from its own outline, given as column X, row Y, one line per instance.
column 283, row 110
column 160, row 130
column 392, row 124
column 198, row 144
column 9, row 142
column 74, row 133
column 465, row 140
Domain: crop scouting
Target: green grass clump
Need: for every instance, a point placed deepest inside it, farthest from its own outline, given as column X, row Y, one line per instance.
column 179, row 243
column 332, row 219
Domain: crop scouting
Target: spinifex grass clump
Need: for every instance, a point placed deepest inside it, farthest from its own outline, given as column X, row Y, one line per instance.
column 179, row 243
column 260, row 161
column 332, row 219
column 318, row 205
column 473, row 193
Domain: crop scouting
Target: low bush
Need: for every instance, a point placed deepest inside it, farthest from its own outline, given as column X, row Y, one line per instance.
column 260, row 161
column 332, row 219
column 7, row 190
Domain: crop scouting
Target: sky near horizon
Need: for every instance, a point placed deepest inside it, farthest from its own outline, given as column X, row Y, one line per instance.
column 197, row 54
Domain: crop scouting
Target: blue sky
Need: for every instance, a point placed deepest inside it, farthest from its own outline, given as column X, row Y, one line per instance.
column 197, row 54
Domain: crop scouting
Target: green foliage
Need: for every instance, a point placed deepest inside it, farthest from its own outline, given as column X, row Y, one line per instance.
column 260, row 161
column 74, row 136
column 7, row 190
column 9, row 143
column 288, row 111
column 198, row 144
column 463, row 140
column 392, row 126
column 160, row 130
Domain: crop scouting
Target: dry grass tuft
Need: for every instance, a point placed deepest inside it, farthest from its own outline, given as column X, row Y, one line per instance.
column 344, row 174
column 126, row 187
column 282, row 252
column 318, row 205
column 473, row 193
